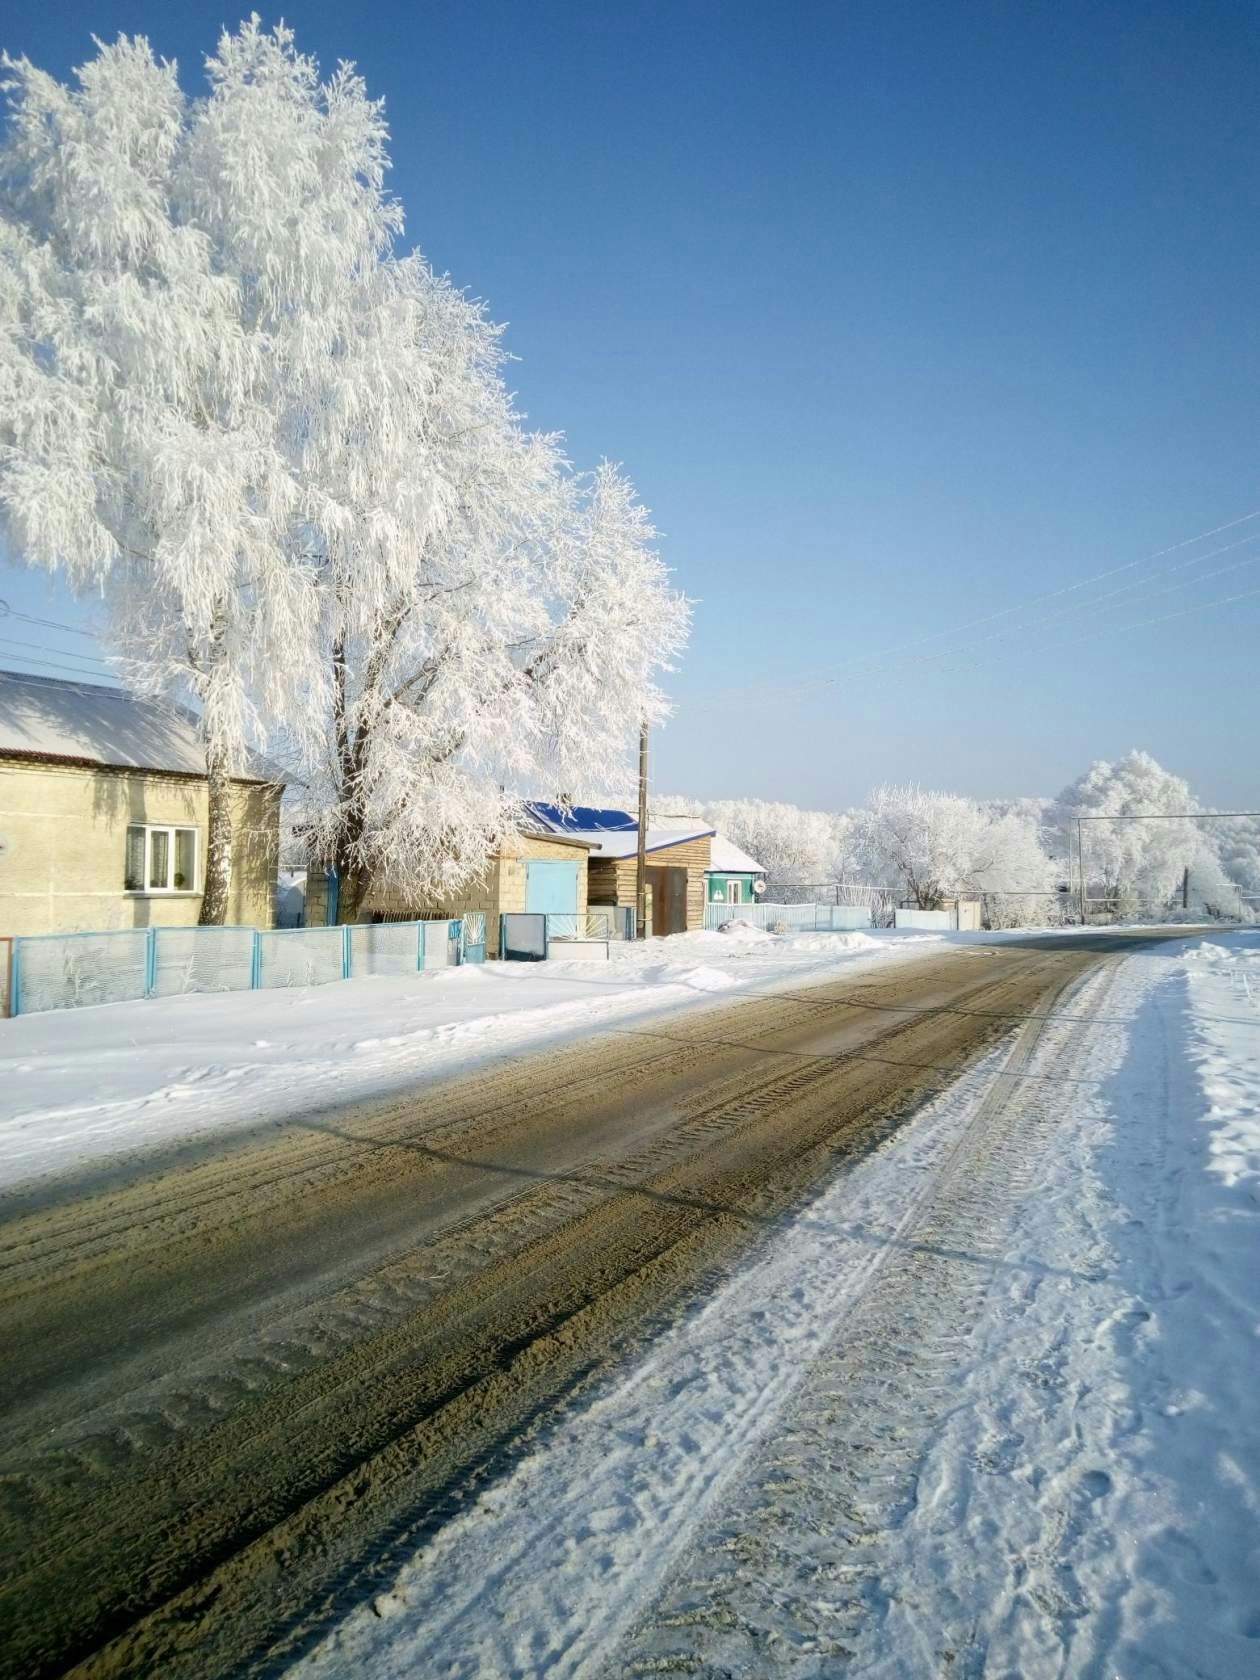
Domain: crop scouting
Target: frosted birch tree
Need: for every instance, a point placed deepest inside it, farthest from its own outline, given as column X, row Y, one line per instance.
column 492, row 623
column 173, row 275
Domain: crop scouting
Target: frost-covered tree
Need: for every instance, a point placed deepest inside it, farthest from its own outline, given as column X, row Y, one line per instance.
column 173, row 275
column 1128, row 862
column 287, row 459
column 1237, row 842
column 501, row 639
column 930, row 844
column 794, row 846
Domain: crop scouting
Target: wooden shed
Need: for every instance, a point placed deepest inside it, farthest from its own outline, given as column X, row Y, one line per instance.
column 678, row 860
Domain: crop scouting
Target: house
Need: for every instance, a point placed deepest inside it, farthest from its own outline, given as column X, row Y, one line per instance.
column 536, row 870
column 103, row 810
column 678, row 859
column 733, row 877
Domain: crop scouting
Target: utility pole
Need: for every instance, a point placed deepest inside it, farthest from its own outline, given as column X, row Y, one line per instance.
column 1185, row 888
column 640, row 874
column 1080, row 865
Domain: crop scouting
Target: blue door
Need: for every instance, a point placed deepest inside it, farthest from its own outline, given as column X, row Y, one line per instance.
column 551, row 889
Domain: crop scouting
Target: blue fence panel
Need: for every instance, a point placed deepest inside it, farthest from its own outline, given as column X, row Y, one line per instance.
column 386, row 948
column 202, row 959
column 441, row 944
column 474, row 939
column 301, row 956
column 70, row 970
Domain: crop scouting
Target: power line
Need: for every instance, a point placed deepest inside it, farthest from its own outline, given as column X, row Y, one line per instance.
column 1142, row 623
column 75, row 670
column 6, row 611
column 867, row 664
column 38, row 647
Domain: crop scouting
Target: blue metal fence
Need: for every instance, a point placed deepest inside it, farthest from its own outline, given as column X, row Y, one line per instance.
column 70, row 970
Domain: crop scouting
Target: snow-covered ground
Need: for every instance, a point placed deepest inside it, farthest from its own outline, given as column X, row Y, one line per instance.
column 77, row 1086
column 987, row 1408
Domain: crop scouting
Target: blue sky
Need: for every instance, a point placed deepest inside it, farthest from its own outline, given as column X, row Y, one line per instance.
column 897, row 314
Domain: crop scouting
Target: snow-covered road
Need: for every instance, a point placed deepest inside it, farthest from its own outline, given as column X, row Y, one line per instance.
column 987, row 1408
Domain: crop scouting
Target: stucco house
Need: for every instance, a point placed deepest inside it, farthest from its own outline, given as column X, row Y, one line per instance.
column 677, row 861
column 103, row 811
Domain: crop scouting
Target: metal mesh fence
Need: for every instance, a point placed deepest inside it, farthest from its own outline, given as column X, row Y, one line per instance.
column 68, row 971
column 202, row 959
column 301, row 956
column 800, row 918
column 385, row 948
column 441, row 944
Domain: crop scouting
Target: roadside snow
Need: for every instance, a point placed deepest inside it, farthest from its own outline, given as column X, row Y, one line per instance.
column 78, row 1086
column 1091, row 1505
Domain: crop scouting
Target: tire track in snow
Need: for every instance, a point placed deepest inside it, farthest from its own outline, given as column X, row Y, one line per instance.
column 552, row 1565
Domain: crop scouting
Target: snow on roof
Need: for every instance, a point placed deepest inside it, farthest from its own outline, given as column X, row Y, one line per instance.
column 87, row 723
column 609, row 833
column 728, row 859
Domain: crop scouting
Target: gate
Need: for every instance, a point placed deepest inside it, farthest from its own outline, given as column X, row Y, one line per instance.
column 474, row 936
column 522, row 936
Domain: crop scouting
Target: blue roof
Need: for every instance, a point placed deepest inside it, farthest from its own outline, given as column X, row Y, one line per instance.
column 581, row 819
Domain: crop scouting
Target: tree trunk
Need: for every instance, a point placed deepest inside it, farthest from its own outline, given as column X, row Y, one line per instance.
column 352, row 886
column 214, row 899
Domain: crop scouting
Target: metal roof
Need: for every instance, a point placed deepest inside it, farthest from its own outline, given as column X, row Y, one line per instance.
column 71, row 722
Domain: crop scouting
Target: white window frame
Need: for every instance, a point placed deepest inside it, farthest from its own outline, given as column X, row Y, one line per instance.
column 734, row 892
column 170, row 890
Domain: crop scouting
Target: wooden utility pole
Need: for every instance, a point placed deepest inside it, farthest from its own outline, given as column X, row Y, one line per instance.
column 640, row 874
column 1080, row 864
column 1185, row 888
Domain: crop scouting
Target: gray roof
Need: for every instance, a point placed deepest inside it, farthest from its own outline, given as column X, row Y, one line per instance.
column 87, row 723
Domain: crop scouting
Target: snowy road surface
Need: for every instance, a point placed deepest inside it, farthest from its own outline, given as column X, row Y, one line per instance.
column 531, row 1374
column 988, row 1407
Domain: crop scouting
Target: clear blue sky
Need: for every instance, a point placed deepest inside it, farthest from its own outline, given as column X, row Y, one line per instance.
column 896, row 313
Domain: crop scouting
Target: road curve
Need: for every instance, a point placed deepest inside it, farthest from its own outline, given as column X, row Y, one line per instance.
column 242, row 1381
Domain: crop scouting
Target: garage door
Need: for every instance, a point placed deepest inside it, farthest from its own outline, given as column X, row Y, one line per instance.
column 551, row 888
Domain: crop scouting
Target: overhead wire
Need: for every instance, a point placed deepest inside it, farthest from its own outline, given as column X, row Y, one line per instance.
column 63, row 653
column 904, row 653
column 75, row 670
column 7, row 611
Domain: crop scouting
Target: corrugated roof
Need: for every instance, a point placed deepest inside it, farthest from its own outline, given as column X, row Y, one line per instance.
column 609, row 833
column 87, row 723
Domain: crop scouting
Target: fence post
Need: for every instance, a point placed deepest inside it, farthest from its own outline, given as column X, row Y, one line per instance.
column 150, row 963
column 347, row 952
column 255, row 962
column 420, row 939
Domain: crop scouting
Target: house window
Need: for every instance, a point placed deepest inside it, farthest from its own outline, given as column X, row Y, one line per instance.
column 734, row 892
column 160, row 859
